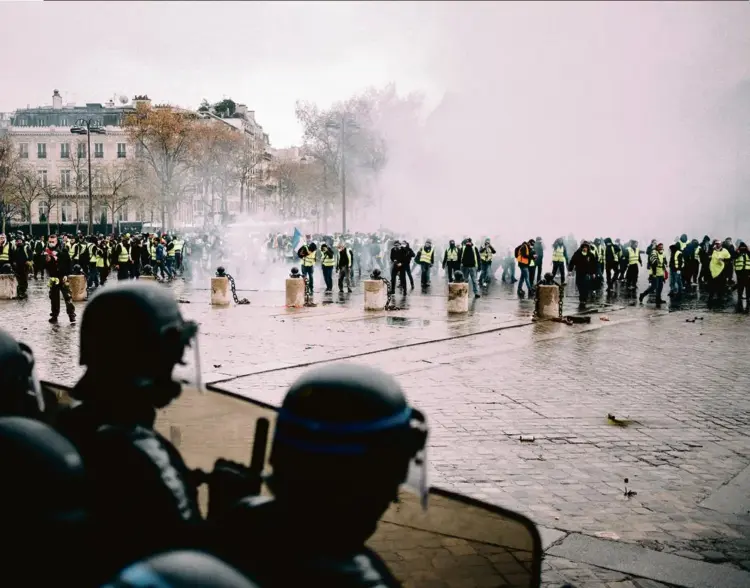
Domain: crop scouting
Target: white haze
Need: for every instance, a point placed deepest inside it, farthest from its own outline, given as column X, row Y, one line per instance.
column 601, row 119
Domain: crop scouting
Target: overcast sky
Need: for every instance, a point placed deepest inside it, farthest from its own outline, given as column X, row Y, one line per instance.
column 587, row 116
column 265, row 55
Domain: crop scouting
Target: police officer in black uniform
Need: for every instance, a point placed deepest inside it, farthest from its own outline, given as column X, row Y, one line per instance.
column 45, row 511
column 58, row 264
column 343, row 443
column 142, row 487
column 181, row 569
column 20, row 392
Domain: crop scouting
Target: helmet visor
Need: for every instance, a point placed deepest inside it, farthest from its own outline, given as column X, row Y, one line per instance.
column 34, row 388
column 187, row 370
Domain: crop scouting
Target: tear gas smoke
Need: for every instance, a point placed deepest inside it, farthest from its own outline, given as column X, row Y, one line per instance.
column 607, row 119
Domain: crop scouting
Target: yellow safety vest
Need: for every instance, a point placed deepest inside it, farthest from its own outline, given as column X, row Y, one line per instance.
column 93, row 255
column 177, row 245
column 451, row 254
column 426, row 256
column 328, row 261
column 657, row 264
column 152, row 251
column 309, row 259
column 100, row 260
column 486, row 255
column 634, row 256
column 682, row 245
column 678, row 262
column 697, row 254
column 718, row 258
column 558, row 254
column 600, row 252
column 171, row 253
column 5, row 252
column 742, row 262
column 75, row 252
column 124, row 255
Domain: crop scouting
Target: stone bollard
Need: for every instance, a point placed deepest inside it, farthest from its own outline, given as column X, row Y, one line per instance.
column 548, row 305
column 78, row 288
column 458, row 297
column 295, row 292
column 148, row 278
column 375, row 294
column 7, row 286
column 220, row 294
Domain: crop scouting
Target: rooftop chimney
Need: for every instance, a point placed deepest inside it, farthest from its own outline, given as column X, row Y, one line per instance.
column 241, row 110
column 56, row 100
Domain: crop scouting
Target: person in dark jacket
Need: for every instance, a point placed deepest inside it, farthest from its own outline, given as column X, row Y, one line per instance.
column 20, row 259
column 399, row 261
column 57, row 264
column 39, row 247
column 469, row 264
column 410, row 256
column 585, row 264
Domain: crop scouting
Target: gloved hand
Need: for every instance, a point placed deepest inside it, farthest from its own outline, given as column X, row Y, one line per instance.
column 229, row 482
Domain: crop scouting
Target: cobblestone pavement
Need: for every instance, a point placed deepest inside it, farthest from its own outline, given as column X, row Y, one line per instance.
column 489, row 378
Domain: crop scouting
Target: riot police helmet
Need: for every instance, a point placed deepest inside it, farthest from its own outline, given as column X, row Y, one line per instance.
column 44, row 493
column 20, row 392
column 347, row 440
column 148, row 320
column 181, row 569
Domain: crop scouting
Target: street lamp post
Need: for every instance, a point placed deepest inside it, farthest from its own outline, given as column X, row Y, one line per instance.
column 86, row 127
column 346, row 121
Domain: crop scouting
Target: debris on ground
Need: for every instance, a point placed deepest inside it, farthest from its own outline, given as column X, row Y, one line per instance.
column 619, row 422
column 604, row 318
column 628, row 492
column 526, row 439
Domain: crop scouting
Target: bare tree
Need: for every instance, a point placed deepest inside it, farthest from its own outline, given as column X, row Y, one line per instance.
column 77, row 164
column 52, row 197
column 9, row 162
column 28, row 187
column 115, row 181
column 248, row 161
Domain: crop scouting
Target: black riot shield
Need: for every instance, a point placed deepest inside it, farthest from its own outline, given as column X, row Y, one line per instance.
column 457, row 542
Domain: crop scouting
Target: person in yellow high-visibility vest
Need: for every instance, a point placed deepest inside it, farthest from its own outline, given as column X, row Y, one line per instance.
column 308, row 254
column 426, row 259
column 328, row 262
column 717, row 276
column 742, row 269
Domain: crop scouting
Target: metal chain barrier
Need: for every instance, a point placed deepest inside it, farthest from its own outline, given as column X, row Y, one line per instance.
column 308, row 293
column 237, row 300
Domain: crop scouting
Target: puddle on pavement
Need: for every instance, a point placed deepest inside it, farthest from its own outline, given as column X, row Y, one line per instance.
column 400, row 321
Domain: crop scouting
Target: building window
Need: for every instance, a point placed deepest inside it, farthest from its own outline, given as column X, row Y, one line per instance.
column 65, row 179
column 66, row 211
column 42, row 122
column 63, row 122
column 41, row 150
column 64, row 150
column 198, row 206
column 23, row 150
column 138, row 150
column 22, row 122
column 43, row 211
column 81, row 150
column 97, row 181
column 139, row 214
column 43, row 177
column 99, row 150
column 121, row 150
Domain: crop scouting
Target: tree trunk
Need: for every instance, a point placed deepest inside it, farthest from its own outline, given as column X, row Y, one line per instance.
column 31, row 228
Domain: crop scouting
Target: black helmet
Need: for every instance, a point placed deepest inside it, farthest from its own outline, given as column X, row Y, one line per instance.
column 180, row 569
column 20, row 393
column 148, row 319
column 44, row 499
column 349, row 424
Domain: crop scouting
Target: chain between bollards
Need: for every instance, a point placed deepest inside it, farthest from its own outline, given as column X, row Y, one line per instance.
column 221, row 273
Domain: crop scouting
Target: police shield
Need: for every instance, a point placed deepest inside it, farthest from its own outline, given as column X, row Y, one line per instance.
column 455, row 541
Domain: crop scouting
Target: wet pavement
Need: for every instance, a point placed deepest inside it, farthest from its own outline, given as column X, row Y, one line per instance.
column 676, row 386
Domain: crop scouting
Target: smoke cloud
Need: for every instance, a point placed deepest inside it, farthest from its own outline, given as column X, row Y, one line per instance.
column 627, row 120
